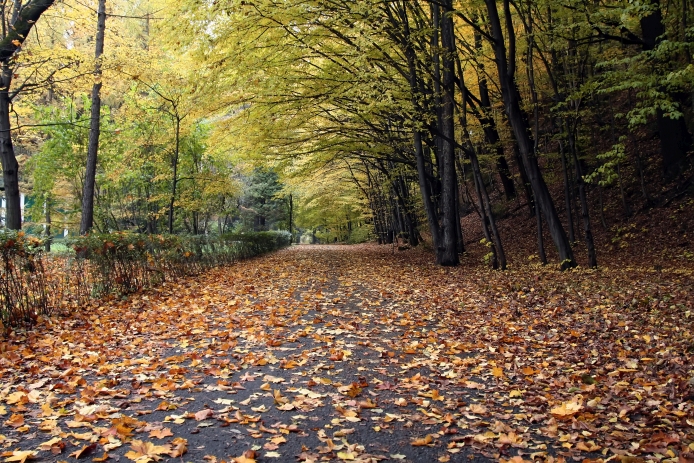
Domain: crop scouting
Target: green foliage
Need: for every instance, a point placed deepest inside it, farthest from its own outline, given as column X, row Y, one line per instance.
column 361, row 234
column 607, row 173
column 263, row 206
column 57, row 170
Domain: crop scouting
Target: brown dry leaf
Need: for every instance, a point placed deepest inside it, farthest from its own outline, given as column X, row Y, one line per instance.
column 516, row 459
column 160, row 433
column 84, row 451
column 143, row 452
column 15, row 421
column 103, row 457
column 368, row 403
column 478, row 409
column 423, row 441
column 248, row 456
column 179, row 446
column 48, row 444
column 204, row 414
column 588, row 446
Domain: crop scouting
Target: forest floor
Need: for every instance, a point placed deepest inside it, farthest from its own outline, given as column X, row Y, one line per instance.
column 359, row 353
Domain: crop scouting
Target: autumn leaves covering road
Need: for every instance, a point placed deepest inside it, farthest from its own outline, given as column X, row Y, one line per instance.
column 354, row 354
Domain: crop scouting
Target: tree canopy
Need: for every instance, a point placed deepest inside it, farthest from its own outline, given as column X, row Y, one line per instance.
column 399, row 117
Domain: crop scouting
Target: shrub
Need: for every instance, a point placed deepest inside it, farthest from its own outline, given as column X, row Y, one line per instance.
column 23, row 287
column 32, row 284
column 125, row 262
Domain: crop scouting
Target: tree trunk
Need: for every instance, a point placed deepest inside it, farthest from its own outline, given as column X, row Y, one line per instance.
column 491, row 133
column 94, row 127
column 449, row 242
column 521, row 130
column 10, row 166
column 583, row 198
column 422, row 175
column 567, row 192
column 488, row 216
column 291, row 214
column 174, row 182
column 49, row 238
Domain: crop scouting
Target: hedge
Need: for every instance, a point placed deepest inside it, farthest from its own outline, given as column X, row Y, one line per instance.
column 33, row 283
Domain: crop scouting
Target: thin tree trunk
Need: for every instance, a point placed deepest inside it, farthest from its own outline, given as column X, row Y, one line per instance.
column 567, row 192
column 291, row 214
column 49, row 238
column 488, row 215
column 540, row 238
column 519, row 124
column 449, row 252
column 583, row 198
column 483, row 215
column 94, row 127
column 491, row 132
column 424, row 184
column 10, row 166
column 174, row 182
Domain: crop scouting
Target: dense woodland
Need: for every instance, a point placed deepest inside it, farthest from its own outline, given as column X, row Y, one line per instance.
column 348, row 120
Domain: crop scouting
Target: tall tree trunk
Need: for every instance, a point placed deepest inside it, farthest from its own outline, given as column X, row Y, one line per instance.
column 10, row 166
column 291, row 214
column 449, row 242
column 422, row 174
column 174, row 165
column 20, row 18
column 94, row 127
column 567, row 192
column 521, row 129
column 488, row 216
column 583, row 198
column 47, row 231
column 489, row 126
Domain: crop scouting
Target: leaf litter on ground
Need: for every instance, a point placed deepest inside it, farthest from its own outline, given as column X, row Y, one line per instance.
column 336, row 353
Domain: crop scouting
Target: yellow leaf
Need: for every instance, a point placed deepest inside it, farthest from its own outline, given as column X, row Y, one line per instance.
column 161, row 433
column 568, row 408
column 528, row 371
column 498, row 372
column 146, row 451
column 21, row 456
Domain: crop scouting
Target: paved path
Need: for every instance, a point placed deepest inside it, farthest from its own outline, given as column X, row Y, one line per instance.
column 315, row 353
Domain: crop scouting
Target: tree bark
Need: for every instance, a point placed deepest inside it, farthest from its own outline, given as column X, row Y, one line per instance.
column 521, row 129
column 20, row 26
column 491, row 133
column 10, row 166
column 422, row 174
column 87, row 221
column 449, row 242
column 174, row 182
